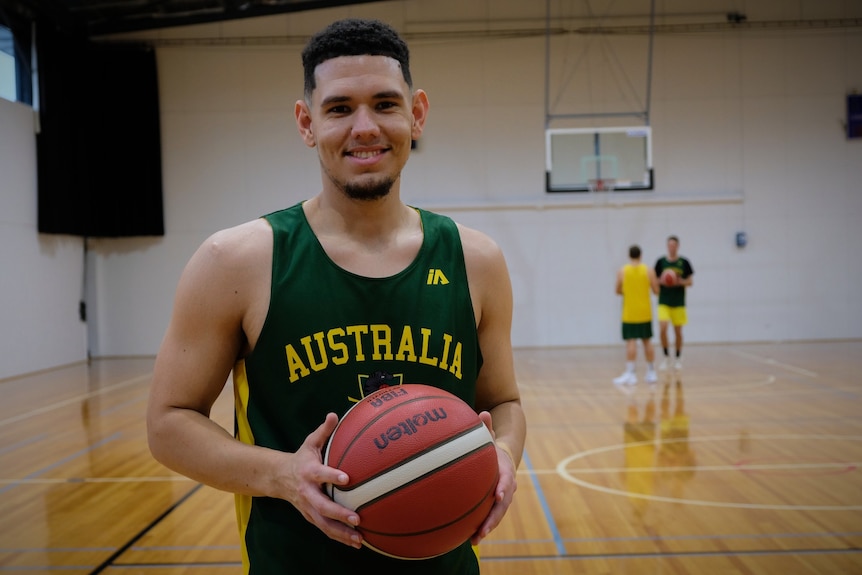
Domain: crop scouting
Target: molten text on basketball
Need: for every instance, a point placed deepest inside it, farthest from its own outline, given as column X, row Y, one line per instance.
column 409, row 426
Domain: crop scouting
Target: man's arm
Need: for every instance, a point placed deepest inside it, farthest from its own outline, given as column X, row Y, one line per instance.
column 201, row 345
column 496, row 387
column 653, row 281
column 214, row 310
column 688, row 281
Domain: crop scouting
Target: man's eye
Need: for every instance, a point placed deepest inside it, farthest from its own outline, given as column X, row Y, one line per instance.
column 339, row 110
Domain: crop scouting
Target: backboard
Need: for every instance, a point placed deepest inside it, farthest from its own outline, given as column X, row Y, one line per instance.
column 577, row 156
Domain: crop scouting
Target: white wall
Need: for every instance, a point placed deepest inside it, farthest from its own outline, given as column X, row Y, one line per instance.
column 747, row 137
column 40, row 275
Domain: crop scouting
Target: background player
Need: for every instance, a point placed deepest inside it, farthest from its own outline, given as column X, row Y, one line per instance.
column 635, row 282
column 671, row 300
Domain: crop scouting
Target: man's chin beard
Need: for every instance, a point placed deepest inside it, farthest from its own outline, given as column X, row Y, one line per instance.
column 369, row 190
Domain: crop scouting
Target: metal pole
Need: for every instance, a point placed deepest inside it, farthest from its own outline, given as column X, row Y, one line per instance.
column 547, row 63
column 649, row 61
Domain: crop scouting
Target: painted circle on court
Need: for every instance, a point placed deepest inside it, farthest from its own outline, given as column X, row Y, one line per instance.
column 847, row 466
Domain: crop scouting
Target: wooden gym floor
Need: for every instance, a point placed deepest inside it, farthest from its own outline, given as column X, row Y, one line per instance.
column 747, row 461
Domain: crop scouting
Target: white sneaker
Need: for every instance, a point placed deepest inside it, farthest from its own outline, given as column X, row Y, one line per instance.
column 651, row 376
column 627, row 378
column 677, row 365
column 663, row 365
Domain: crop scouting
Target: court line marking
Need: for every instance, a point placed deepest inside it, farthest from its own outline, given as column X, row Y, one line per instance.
column 565, row 474
column 190, row 564
column 774, row 362
column 109, row 562
column 707, row 537
column 73, row 400
column 485, row 542
column 668, row 554
column 756, row 467
column 60, row 462
column 23, row 443
column 185, row 547
column 78, row 480
column 54, row 550
column 546, row 509
column 727, row 390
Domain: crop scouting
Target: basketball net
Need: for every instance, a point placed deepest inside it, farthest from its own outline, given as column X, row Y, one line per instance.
column 598, row 187
column 601, row 185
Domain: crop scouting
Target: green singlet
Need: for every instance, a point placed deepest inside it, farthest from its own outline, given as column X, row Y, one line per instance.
column 673, row 296
column 330, row 338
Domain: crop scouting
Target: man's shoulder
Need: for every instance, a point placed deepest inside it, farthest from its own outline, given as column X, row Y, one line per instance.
column 482, row 254
column 238, row 243
column 476, row 241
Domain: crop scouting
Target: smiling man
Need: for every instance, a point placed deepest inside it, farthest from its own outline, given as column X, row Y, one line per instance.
column 317, row 305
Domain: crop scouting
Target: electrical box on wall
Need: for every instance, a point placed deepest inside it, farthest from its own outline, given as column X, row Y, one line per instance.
column 854, row 116
column 741, row 239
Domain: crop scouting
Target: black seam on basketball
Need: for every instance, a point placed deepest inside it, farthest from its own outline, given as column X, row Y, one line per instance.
column 374, row 420
column 417, row 455
column 437, row 527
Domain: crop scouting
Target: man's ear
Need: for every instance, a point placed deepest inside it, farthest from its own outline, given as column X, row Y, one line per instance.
column 420, row 113
column 303, row 123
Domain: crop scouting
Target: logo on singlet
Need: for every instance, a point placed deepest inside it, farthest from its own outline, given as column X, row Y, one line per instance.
column 368, row 384
column 436, row 277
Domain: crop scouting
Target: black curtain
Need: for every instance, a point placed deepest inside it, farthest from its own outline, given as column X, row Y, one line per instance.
column 99, row 141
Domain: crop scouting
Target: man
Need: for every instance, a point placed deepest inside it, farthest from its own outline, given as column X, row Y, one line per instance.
column 671, row 300
column 318, row 305
column 635, row 281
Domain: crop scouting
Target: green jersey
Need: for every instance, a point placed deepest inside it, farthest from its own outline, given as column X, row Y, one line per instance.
column 673, row 296
column 330, row 338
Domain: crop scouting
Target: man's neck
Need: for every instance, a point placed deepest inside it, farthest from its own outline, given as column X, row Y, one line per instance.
column 377, row 238
column 363, row 220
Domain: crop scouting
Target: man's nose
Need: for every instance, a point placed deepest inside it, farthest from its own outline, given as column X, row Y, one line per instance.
column 364, row 123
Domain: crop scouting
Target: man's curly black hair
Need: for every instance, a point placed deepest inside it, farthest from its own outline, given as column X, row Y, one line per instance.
column 354, row 37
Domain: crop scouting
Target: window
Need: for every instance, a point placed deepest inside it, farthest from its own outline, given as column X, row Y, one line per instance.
column 17, row 77
column 8, row 79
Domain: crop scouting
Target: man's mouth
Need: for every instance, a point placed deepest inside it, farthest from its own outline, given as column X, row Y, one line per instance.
column 364, row 155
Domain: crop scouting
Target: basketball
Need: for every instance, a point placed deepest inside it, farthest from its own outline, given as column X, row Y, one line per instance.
column 669, row 277
column 422, row 468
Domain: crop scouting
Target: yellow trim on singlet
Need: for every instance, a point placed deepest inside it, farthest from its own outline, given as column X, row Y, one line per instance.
column 244, row 434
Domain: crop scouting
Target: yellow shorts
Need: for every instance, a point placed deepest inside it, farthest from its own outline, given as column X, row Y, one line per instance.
column 674, row 315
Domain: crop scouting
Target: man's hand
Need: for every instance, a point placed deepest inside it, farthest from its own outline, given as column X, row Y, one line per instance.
column 506, row 487
column 304, row 476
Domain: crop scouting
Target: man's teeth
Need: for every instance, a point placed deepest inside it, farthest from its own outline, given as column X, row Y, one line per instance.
column 365, row 154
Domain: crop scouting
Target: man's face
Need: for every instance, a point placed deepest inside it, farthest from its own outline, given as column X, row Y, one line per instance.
column 672, row 247
column 362, row 119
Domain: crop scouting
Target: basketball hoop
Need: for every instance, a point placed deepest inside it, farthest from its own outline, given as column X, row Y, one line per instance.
column 601, row 184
